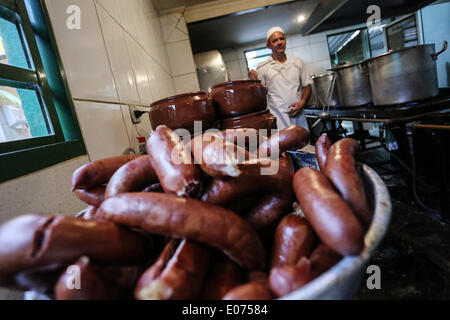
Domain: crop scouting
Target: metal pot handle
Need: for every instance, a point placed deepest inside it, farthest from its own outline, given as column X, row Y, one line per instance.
column 444, row 47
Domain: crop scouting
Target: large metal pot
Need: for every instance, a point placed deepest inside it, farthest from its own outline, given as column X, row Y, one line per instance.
column 321, row 86
column 353, row 84
column 404, row 75
column 343, row 280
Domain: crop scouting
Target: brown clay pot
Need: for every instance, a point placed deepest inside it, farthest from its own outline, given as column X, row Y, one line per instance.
column 182, row 110
column 235, row 98
column 257, row 120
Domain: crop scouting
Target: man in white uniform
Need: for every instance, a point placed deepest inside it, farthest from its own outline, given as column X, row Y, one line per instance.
column 287, row 81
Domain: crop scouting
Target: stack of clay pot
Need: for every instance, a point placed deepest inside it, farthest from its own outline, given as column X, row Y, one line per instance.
column 180, row 111
column 242, row 104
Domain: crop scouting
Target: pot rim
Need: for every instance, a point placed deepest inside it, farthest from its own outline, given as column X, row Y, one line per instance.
column 347, row 65
column 245, row 116
column 230, row 83
column 322, row 75
column 172, row 98
column 393, row 51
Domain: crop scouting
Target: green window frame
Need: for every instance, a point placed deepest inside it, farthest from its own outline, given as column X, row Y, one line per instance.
column 21, row 157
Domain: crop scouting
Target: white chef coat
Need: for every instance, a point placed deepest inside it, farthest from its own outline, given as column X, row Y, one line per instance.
column 285, row 83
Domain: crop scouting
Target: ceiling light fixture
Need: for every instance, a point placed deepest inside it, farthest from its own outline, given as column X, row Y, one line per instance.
column 301, row 18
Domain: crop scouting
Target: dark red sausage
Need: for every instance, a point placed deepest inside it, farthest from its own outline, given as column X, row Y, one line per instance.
column 247, row 138
column 223, row 276
column 288, row 278
column 96, row 173
column 93, row 196
column 322, row 258
column 294, row 239
column 329, row 214
column 178, row 274
column 255, row 290
column 132, row 176
column 91, row 285
column 323, row 144
column 219, row 158
column 190, row 219
column 341, row 170
column 36, row 242
column 288, row 138
column 251, row 181
column 173, row 164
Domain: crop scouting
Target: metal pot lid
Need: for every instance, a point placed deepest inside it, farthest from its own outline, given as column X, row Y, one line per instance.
column 392, row 51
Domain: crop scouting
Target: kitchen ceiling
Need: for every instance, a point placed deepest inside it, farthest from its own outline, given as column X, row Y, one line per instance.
column 248, row 26
column 161, row 5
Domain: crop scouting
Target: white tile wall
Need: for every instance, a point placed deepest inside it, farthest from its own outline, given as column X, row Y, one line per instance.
column 141, row 129
column 180, row 61
column 83, row 52
column 140, row 72
column 119, row 58
column 319, row 51
column 186, row 83
column 111, row 7
column 103, row 129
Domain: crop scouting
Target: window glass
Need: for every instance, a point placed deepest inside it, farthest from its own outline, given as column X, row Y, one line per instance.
column 22, row 114
column 402, row 34
column 13, row 50
column 255, row 57
column 349, row 47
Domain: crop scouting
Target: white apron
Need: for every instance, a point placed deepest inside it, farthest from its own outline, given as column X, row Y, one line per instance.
column 285, row 83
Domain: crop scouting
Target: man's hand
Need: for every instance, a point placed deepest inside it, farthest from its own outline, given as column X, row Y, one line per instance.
column 252, row 75
column 296, row 108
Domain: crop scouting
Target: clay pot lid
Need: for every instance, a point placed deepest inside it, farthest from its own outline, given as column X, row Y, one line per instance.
column 231, row 83
column 172, row 98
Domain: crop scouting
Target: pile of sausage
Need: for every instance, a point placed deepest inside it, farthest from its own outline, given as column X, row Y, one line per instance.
column 181, row 224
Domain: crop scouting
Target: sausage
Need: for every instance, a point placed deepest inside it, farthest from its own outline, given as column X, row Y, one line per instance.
column 132, row 176
column 173, row 163
column 242, row 205
column 274, row 204
column 96, row 173
column 188, row 218
column 93, row 196
column 155, row 187
column 326, row 211
column 288, row 278
column 37, row 242
column 91, row 285
column 223, row 276
column 294, row 238
column 246, row 138
column 251, row 181
column 322, row 258
column 270, row 208
column 218, row 157
column 341, row 170
column 288, row 138
column 257, row 276
column 254, row 290
column 178, row 273
column 87, row 214
column 323, row 144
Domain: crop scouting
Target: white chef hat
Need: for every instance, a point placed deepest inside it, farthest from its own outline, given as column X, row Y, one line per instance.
column 272, row 31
